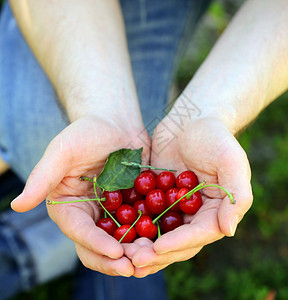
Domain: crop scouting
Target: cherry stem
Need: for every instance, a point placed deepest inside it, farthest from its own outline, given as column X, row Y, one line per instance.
column 73, row 201
column 133, row 164
column 190, row 193
column 158, row 228
column 187, row 194
column 232, row 200
column 106, row 211
column 84, row 178
column 140, row 213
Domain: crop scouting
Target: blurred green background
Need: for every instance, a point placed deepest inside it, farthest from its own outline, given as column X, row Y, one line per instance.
column 253, row 264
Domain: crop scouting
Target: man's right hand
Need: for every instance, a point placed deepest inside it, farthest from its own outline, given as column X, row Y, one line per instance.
column 81, row 150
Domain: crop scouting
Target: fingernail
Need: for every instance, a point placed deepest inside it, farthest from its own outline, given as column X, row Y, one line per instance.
column 233, row 224
column 120, row 274
column 15, row 201
column 143, row 266
column 111, row 256
column 163, row 252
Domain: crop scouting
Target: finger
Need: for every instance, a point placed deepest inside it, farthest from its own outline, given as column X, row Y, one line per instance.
column 234, row 174
column 47, row 174
column 204, row 229
column 131, row 248
column 103, row 264
column 146, row 257
column 143, row 272
column 80, row 227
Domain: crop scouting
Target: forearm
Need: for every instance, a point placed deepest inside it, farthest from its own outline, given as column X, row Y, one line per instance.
column 81, row 46
column 247, row 68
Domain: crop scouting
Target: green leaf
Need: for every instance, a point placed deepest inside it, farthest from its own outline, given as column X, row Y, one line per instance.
column 115, row 175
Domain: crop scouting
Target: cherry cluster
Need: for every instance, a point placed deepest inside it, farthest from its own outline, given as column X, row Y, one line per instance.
column 151, row 207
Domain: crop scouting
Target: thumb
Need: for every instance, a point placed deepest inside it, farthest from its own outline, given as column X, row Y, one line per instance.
column 235, row 175
column 45, row 177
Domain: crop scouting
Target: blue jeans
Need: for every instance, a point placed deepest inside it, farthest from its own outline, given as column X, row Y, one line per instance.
column 33, row 250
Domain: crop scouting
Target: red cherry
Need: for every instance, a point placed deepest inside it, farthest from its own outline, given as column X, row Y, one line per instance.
column 186, row 179
column 150, row 172
column 171, row 198
column 171, row 220
column 192, row 205
column 181, row 193
column 113, row 200
column 145, row 227
column 144, row 183
column 130, row 196
column 107, row 224
column 129, row 237
column 165, row 180
column 141, row 205
column 113, row 213
column 126, row 214
column 155, row 201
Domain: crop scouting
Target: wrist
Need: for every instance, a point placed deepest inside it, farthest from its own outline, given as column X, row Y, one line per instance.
column 113, row 101
column 234, row 103
column 189, row 108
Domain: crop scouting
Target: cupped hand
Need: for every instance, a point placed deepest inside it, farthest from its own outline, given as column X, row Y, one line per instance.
column 81, row 149
column 206, row 147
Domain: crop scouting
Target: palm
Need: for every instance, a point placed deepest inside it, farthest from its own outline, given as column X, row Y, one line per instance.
column 81, row 150
column 85, row 147
column 208, row 148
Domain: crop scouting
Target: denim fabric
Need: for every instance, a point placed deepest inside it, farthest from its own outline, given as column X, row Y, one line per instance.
column 93, row 285
column 29, row 119
column 157, row 33
column 30, row 116
column 9, row 275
